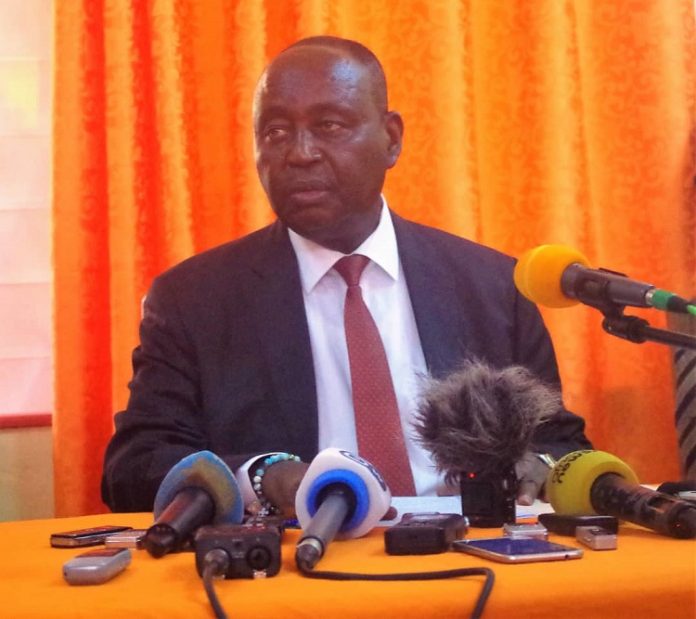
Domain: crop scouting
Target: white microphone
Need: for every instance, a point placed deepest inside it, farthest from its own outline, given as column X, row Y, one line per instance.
column 342, row 496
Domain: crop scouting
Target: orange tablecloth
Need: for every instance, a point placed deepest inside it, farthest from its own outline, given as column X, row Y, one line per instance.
column 648, row 576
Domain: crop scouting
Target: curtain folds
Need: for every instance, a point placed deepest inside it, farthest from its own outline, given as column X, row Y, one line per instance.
column 565, row 121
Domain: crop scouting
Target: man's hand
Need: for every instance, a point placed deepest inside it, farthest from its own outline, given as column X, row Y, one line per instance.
column 532, row 473
column 280, row 484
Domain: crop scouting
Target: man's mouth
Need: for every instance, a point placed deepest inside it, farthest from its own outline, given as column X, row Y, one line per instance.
column 308, row 193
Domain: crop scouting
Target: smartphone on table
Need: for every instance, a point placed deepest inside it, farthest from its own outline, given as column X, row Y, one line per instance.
column 517, row 549
column 130, row 538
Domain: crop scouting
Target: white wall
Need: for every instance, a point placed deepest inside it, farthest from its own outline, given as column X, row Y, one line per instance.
column 25, row 255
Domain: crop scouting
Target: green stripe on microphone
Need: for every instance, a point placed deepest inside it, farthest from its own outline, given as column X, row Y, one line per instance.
column 668, row 301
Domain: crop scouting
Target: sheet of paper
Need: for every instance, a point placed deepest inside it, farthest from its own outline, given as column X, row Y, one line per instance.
column 451, row 505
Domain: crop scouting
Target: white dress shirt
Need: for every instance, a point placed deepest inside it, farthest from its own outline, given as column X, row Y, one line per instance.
column 386, row 295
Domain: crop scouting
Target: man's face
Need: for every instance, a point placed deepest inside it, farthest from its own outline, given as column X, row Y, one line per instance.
column 323, row 145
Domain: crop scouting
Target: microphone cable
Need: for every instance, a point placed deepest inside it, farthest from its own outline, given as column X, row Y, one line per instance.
column 215, row 564
column 455, row 573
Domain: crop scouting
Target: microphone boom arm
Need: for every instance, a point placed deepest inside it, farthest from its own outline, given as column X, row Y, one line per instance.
column 638, row 330
column 633, row 328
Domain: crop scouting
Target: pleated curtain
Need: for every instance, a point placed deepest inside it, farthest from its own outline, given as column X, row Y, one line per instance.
column 527, row 122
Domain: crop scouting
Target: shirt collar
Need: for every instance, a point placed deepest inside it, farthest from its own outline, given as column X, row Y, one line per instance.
column 380, row 247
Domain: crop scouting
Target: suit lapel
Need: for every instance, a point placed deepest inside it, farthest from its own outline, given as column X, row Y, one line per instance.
column 433, row 297
column 275, row 292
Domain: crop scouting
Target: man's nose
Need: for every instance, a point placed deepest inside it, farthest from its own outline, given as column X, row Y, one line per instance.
column 303, row 148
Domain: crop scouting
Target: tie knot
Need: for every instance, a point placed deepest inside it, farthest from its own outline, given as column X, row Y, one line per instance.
column 350, row 268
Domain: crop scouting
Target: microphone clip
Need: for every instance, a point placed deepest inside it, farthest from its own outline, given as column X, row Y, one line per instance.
column 638, row 330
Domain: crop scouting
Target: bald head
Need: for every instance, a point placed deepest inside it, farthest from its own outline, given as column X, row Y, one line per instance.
column 357, row 52
column 350, row 51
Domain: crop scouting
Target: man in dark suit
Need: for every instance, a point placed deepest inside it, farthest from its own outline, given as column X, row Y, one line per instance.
column 237, row 352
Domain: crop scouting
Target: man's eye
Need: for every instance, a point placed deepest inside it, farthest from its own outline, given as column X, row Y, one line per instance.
column 330, row 126
column 275, row 133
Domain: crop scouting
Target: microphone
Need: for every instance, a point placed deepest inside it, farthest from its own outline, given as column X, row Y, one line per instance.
column 559, row 276
column 477, row 423
column 200, row 489
column 596, row 482
column 342, row 496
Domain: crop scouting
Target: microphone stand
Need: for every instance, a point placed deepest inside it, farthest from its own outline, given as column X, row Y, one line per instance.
column 638, row 330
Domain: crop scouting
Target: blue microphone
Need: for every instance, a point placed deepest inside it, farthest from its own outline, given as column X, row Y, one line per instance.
column 200, row 489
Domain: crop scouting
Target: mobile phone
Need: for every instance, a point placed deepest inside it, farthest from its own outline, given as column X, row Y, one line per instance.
column 96, row 566
column 538, row 531
column 596, row 538
column 131, row 538
column 424, row 533
column 517, row 549
column 92, row 536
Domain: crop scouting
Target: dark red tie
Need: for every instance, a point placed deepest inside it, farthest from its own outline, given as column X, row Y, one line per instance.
column 380, row 439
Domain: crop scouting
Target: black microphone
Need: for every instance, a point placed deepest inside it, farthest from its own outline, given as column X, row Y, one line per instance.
column 200, row 489
column 596, row 482
column 341, row 495
column 477, row 423
column 560, row 276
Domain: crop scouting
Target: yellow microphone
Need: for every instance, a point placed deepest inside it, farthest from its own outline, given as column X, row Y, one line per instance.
column 595, row 482
column 539, row 272
column 560, row 276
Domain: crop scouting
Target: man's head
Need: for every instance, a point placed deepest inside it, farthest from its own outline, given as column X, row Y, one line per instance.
column 325, row 139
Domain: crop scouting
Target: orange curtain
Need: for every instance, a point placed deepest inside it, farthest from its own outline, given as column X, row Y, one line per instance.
column 567, row 121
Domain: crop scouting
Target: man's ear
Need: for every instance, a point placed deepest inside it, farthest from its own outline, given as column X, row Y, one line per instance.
column 394, row 125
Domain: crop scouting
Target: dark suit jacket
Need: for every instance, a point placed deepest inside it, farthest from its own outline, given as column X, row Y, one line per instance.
column 225, row 362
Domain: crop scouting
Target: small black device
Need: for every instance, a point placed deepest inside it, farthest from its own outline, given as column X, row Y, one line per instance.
column 424, row 533
column 92, row 536
column 96, row 566
column 566, row 525
column 684, row 490
column 517, row 549
column 252, row 550
column 488, row 500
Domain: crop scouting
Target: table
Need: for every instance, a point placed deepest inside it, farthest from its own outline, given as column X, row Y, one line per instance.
column 648, row 576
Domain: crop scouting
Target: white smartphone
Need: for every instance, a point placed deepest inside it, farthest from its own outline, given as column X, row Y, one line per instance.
column 517, row 549
column 96, row 566
column 133, row 538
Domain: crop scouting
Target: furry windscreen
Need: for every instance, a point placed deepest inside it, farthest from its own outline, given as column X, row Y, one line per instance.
column 482, row 419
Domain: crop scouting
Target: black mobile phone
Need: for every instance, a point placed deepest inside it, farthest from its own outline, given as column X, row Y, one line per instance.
column 96, row 566
column 93, row 536
column 566, row 525
column 517, row 549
